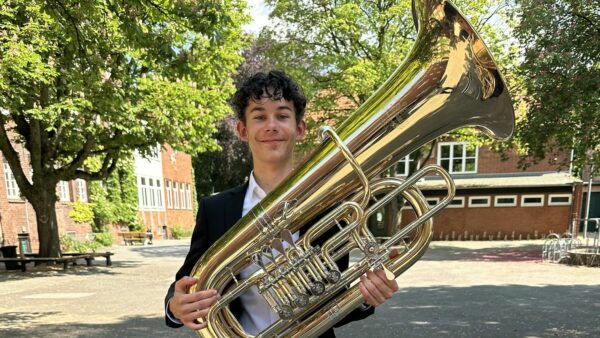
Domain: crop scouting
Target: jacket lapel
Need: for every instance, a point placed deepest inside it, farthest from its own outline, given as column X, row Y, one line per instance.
column 234, row 205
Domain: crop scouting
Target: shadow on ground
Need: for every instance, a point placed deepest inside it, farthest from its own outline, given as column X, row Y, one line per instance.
column 161, row 251
column 523, row 253
column 135, row 326
column 98, row 268
column 485, row 311
column 478, row 311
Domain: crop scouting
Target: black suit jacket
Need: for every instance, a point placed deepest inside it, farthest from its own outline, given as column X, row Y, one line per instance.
column 216, row 214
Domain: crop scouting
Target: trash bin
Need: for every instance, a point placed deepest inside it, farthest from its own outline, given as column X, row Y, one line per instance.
column 10, row 251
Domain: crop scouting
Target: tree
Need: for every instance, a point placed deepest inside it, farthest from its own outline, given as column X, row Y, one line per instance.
column 115, row 198
column 342, row 51
column 561, row 71
column 220, row 170
column 85, row 83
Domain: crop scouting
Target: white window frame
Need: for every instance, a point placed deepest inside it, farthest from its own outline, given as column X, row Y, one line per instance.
column 64, row 192
column 176, row 194
column 505, row 205
column 182, row 201
column 485, row 205
column 462, row 156
column 551, row 196
column 188, row 192
column 81, row 190
column 431, row 199
column 527, row 205
column 159, row 194
column 143, row 193
column 456, row 206
column 169, row 194
column 152, row 191
column 12, row 188
column 405, row 165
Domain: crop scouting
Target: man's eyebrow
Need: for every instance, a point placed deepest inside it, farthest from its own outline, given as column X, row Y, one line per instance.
column 257, row 109
column 284, row 107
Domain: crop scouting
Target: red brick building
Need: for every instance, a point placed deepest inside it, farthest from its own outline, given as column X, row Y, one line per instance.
column 494, row 198
column 18, row 216
column 165, row 191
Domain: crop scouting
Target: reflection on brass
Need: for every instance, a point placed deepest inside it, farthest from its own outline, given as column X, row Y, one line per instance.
column 449, row 80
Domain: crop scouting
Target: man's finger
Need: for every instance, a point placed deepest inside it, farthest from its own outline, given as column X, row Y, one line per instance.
column 379, row 298
column 194, row 325
column 200, row 295
column 366, row 294
column 184, row 283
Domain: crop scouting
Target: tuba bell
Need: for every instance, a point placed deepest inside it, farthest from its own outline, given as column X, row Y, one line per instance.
column 449, row 80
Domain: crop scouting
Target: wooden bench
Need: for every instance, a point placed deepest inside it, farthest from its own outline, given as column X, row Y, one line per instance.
column 64, row 260
column 134, row 237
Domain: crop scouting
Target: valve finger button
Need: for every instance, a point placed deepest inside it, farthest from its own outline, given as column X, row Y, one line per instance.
column 285, row 312
column 371, row 248
column 317, row 288
column 333, row 276
column 301, row 300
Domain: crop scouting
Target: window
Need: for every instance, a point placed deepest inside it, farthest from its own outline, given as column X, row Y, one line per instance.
column 152, row 193
column 64, row 194
column 144, row 194
column 159, row 195
column 433, row 201
column 182, row 192
column 188, row 193
column 12, row 189
column 169, row 195
column 457, row 202
column 532, row 200
column 403, row 166
column 176, row 194
column 81, row 186
column 457, row 158
column 479, row 201
column 505, row 201
column 559, row 199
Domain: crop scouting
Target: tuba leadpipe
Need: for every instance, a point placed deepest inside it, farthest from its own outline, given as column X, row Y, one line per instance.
column 448, row 80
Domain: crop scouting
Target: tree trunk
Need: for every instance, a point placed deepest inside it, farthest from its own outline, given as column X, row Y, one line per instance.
column 44, row 204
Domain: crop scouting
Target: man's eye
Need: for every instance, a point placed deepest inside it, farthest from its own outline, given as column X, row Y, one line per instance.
column 259, row 117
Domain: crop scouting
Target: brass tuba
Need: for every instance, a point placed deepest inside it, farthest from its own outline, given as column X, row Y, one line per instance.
column 449, row 80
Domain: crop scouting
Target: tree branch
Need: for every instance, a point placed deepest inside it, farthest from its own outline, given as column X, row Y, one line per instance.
column 12, row 157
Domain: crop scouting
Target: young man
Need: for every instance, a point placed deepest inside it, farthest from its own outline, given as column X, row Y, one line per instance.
column 270, row 109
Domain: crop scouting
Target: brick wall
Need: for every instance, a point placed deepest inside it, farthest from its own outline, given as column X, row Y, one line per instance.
column 516, row 222
column 177, row 167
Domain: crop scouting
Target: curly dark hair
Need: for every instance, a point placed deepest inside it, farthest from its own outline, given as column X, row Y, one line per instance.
column 274, row 85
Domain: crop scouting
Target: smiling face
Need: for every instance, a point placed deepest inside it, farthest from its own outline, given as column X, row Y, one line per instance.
column 271, row 130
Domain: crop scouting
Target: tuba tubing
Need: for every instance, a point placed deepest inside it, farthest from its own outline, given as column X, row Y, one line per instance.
column 448, row 80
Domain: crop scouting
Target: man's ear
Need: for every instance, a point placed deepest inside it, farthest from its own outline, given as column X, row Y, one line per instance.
column 242, row 131
column 301, row 130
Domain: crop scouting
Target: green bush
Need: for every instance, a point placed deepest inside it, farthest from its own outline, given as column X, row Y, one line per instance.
column 178, row 232
column 82, row 212
column 104, row 238
column 70, row 244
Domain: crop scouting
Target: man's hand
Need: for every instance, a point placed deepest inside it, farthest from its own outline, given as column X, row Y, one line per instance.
column 189, row 307
column 375, row 287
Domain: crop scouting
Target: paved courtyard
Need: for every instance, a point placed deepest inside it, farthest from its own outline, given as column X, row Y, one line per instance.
column 458, row 289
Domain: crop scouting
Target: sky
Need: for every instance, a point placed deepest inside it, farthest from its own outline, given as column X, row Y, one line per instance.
column 260, row 16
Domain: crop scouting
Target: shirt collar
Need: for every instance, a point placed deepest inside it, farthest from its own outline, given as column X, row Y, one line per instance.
column 255, row 190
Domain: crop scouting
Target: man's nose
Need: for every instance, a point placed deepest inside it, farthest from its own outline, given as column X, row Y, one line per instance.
column 271, row 124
